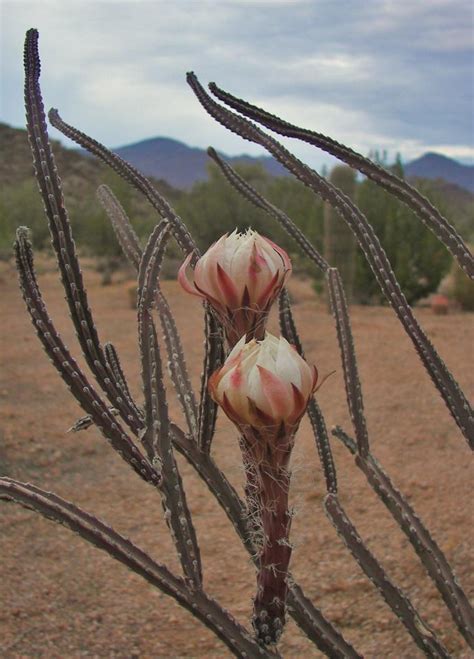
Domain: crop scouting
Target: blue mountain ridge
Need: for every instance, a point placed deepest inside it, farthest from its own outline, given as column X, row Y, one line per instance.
column 181, row 165
column 436, row 166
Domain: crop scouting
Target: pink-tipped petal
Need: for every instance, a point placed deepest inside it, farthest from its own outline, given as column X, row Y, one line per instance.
column 230, row 411
column 275, row 391
column 227, row 288
column 256, row 262
column 281, row 252
column 299, row 404
column 203, row 277
column 262, row 417
column 270, row 291
column 183, row 279
column 214, row 383
column 212, row 300
column 235, row 379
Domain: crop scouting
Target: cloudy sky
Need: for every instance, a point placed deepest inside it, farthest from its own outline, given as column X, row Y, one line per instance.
column 375, row 74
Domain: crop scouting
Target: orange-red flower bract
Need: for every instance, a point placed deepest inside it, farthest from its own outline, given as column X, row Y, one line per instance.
column 240, row 276
column 264, row 384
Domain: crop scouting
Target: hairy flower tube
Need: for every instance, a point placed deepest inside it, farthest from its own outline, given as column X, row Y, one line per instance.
column 240, row 276
column 264, row 388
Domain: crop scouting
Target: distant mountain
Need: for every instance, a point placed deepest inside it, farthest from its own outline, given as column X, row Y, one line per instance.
column 436, row 166
column 181, row 165
column 78, row 170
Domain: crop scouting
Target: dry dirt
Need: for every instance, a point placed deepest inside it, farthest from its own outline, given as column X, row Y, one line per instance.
column 63, row 598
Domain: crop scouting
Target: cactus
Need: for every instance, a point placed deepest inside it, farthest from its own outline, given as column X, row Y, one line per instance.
column 146, row 437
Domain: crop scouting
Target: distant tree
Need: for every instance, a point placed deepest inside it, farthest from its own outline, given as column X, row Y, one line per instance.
column 339, row 243
column 418, row 258
column 463, row 289
column 20, row 205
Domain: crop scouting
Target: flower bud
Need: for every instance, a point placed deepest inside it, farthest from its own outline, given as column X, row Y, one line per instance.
column 264, row 384
column 240, row 276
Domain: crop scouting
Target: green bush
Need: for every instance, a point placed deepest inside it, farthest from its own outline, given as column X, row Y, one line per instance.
column 463, row 289
column 418, row 258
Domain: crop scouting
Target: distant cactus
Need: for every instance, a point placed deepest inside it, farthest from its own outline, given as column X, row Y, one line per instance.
column 146, row 437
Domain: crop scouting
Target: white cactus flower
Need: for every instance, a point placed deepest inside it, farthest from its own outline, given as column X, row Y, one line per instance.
column 240, row 276
column 264, row 383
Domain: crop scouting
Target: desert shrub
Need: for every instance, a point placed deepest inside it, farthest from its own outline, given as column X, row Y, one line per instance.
column 19, row 204
column 462, row 290
column 419, row 260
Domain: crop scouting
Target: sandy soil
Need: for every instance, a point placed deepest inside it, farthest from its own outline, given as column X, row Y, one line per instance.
column 63, row 598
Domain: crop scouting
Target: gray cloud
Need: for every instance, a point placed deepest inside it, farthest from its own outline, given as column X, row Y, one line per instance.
column 374, row 74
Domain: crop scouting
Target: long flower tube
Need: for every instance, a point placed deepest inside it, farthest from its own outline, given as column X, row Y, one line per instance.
column 264, row 388
column 240, row 276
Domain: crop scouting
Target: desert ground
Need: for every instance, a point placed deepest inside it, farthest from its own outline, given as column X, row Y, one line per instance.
column 62, row 597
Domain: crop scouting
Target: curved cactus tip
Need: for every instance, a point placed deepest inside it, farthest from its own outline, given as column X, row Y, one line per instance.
column 32, row 36
column 53, row 113
column 31, row 53
column 22, row 233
